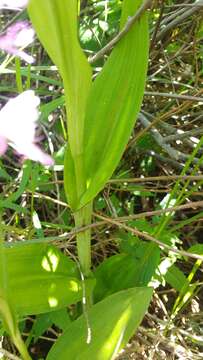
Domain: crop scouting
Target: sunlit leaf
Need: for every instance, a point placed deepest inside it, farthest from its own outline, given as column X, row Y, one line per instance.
column 56, row 24
column 114, row 101
column 42, row 279
column 111, row 324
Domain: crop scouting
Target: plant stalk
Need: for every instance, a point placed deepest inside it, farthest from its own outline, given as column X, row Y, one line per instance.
column 82, row 218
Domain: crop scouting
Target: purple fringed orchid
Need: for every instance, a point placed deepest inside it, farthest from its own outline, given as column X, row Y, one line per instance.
column 18, row 121
column 18, row 36
column 13, row 4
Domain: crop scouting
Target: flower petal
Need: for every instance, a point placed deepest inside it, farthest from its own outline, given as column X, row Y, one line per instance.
column 19, row 116
column 18, row 120
column 33, row 152
column 17, row 36
column 13, row 4
column 3, row 145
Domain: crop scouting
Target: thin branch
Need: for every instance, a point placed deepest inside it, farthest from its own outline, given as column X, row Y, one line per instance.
column 69, row 236
column 9, row 355
column 183, row 135
column 179, row 165
column 174, row 154
column 157, row 178
column 179, row 19
column 130, row 22
column 160, row 140
column 195, row 204
column 174, row 96
column 158, row 23
column 146, row 236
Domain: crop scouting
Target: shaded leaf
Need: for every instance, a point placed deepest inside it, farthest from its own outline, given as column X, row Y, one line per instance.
column 124, row 271
column 176, row 278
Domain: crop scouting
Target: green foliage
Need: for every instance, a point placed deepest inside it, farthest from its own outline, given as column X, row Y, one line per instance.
column 110, row 324
column 175, row 277
column 57, row 29
column 133, row 267
column 44, row 321
column 125, row 271
column 51, row 279
column 111, row 107
column 95, row 146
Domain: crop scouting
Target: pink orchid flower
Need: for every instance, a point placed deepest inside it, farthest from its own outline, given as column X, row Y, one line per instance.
column 13, row 4
column 18, row 121
column 18, row 36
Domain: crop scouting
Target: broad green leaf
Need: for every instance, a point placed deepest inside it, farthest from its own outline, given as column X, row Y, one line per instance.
column 42, row 279
column 176, row 278
column 56, row 24
column 125, row 271
column 114, row 101
column 196, row 249
column 111, row 323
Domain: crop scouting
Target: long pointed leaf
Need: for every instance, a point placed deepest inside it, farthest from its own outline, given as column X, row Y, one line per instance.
column 114, row 102
column 111, row 322
column 56, row 24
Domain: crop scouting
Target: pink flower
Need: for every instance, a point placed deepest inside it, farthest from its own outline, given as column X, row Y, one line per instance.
column 13, row 4
column 18, row 121
column 18, row 36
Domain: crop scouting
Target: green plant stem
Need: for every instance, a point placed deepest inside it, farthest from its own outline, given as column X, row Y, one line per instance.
column 10, row 324
column 18, row 75
column 82, row 218
column 19, row 343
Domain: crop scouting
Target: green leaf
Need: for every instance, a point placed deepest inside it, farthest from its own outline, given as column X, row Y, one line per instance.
column 176, row 278
column 46, row 109
column 42, row 279
column 4, row 174
column 41, row 324
column 112, row 322
column 44, row 321
column 9, row 205
column 114, row 101
column 56, row 24
column 26, row 171
column 196, row 249
column 70, row 183
column 125, row 271
column 60, row 318
column 9, row 201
